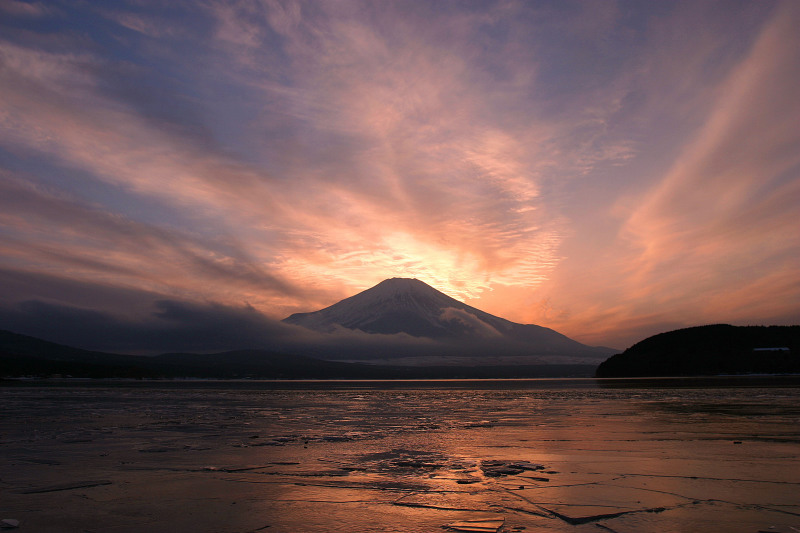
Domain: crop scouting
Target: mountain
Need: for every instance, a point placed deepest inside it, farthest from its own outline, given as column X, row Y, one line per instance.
column 401, row 328
column 414, row 308
column 21, row 355
column 710, row 350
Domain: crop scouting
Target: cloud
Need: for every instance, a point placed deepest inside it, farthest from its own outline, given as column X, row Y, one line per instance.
column 399, row 171
column 724, row 211
column 99, row 316
column 714, row 238
column 173, row 326
column 210, row 327
column 24, row 9
column 52, row 106
column 425, row 138
column 471, row 321
column 133, row 252
column 285, row 155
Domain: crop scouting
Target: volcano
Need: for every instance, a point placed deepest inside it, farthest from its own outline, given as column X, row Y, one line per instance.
column 412, row 307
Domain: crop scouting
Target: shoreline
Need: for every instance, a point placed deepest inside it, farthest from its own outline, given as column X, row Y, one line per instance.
column 720, row 381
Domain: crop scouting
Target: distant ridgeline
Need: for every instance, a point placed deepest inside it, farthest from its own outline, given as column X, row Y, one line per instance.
column 24, row 356
column 710, row 350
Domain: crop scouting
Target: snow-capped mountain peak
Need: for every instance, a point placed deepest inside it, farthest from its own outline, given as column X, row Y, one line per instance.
column 412, row 307
column 396, row 305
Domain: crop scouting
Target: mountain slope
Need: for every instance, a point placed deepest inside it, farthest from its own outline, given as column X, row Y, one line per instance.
column 21, row 355
column 409, row 306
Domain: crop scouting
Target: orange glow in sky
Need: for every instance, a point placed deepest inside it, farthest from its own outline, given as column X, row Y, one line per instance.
column 609, row 170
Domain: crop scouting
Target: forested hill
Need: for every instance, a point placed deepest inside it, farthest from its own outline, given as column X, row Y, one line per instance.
column 710, row 350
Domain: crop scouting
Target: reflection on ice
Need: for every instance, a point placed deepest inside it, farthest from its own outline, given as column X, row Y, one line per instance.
column 489, row 524
column 414, row 459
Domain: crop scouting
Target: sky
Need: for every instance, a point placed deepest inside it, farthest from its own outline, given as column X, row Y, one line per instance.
column 202, row 169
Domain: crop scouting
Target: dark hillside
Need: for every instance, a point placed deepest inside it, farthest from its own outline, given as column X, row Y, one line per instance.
column 710, row 350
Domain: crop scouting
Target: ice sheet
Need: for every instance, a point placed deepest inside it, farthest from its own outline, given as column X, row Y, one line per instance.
column 234, row 459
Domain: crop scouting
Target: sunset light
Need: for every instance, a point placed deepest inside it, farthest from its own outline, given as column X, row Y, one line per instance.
column 609, row 170
column 400, row 266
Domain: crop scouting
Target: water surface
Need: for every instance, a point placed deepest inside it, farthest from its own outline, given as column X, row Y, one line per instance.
column 522, row 455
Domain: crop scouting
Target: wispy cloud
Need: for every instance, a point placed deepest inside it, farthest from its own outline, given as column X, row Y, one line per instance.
column 605, row 159
column 723, row 212
column 715, row 238
column 24, row 9
column 423, row 124
column 65, row 235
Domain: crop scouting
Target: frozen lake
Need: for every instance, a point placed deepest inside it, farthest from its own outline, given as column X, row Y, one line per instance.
column 531, row 455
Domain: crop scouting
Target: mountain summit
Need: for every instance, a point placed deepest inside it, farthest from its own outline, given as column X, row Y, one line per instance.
column 398, row 305
column 412, row 307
